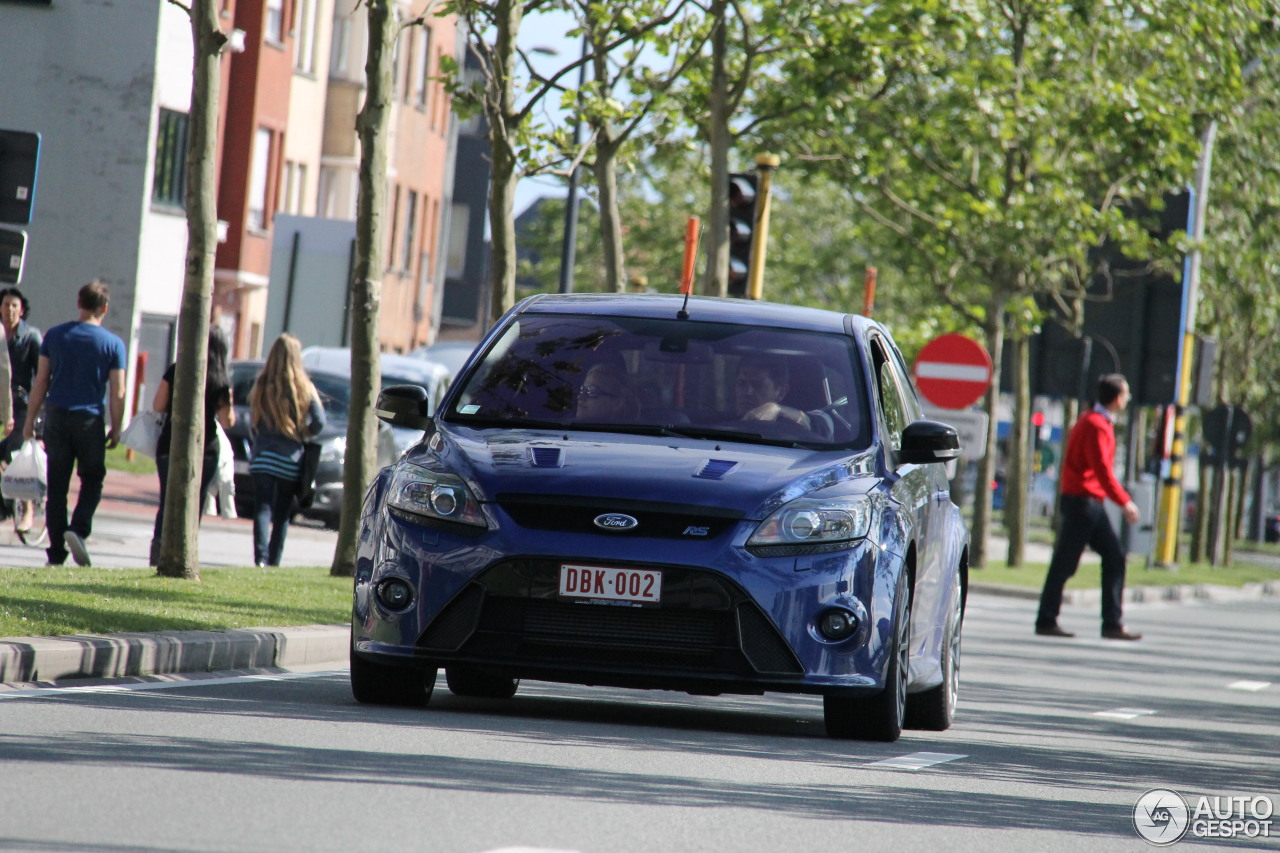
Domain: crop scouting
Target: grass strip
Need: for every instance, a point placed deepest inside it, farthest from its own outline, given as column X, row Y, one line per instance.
column 1089, row 575
column 52, row 601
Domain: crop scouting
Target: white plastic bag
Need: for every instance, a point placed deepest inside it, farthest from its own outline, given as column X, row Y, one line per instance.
column 143, row 433
column 26, row 477
column 222, row 489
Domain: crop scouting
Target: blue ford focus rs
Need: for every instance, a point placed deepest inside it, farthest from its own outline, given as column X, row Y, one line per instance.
column 705, row 495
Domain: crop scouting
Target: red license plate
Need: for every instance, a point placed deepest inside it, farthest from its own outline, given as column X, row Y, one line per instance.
column 643, row 586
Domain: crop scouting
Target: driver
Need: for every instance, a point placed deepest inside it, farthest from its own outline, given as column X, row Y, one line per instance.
column 760, row 387
column 606, row 396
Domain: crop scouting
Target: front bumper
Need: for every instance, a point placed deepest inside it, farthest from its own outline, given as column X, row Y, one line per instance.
column 729, row 621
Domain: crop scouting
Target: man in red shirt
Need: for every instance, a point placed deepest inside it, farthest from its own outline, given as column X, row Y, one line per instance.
column 1088, row 481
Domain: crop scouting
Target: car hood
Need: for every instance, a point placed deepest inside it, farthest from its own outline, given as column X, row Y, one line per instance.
column 750, row 479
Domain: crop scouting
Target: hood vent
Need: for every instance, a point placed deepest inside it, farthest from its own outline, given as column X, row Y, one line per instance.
column 546, row 457
column 715, row 469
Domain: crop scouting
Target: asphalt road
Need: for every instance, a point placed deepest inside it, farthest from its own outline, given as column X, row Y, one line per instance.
column 1055, row 743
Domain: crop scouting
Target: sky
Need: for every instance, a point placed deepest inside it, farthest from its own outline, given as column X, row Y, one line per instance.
column 546, row 32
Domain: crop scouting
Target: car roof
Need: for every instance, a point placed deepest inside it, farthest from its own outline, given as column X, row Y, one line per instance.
column 337, row 360
column 698, row 308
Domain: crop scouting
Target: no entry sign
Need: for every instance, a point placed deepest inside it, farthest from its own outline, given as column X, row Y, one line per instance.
column 953, row 371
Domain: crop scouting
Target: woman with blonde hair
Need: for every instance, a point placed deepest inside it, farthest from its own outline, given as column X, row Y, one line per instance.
column 284, row 412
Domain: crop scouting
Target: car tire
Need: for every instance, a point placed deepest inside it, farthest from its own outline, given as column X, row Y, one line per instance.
column 475, row 681
column 378, row 684
column 879, row 717
column 935, row 709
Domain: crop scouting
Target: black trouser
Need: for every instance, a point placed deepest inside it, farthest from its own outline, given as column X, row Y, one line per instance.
column 73, row 440
column 210, row 467
column 1083, row 522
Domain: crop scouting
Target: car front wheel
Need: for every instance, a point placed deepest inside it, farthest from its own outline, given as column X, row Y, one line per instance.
column 935, row 709
column 378, row 684
column 879, row 717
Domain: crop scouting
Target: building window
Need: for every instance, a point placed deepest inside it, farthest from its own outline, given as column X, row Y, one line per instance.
column 258, row 179
column 295, row 187
column 169, row 182
column 459, row 229
column 274, row 29
column 395, row 224
column 410, row 231
column 422, row 71
column 340, row 46
column 304, row 43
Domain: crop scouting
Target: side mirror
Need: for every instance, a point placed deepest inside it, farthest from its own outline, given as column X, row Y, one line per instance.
column 404, row 406
column 929, row 441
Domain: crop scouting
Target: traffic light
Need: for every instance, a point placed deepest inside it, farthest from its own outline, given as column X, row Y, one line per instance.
column 742, row 224
column 19, row 159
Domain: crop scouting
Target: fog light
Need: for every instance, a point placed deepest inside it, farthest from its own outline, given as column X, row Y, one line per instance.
column 837, row 624
column 395, row 594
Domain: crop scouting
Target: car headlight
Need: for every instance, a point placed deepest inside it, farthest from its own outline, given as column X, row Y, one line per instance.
column 429, row 494
column 809, row 526
column 333, row 449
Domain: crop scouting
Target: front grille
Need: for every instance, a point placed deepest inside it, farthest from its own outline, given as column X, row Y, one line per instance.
column 578, row 515
column 705, row 627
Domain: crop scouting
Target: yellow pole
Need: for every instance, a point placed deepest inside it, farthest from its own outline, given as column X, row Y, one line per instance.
column 765, row 165
column 1171, row 493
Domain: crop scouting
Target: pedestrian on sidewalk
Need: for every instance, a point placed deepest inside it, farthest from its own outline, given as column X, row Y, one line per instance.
column 284, row 412
column 80, row 362
column 1088, row 481
column 23, row 350
column 218, row 409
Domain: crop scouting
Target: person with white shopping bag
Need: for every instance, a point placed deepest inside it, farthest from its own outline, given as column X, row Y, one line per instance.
column 23, row 351
column 79, row 363
column 218, row 409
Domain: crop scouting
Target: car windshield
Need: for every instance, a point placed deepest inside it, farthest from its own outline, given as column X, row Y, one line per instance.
column 669, row 377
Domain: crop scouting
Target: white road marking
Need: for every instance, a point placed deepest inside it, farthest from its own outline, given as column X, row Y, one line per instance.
column 1124, row 713
column 168, row 684
column 1253, row 686
column 916, row 760
column 529, row 850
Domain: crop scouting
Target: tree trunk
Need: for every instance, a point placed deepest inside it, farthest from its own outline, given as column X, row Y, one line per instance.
column 366, row 280
column 180, row 541
column 503, row 119
column 715, row 281
column 993, row 330
column 1018, row 473
column 606, row 169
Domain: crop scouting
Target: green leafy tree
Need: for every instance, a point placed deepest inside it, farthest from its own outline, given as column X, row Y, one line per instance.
column 995, row 157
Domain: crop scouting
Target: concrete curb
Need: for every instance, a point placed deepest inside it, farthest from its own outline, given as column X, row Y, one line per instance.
column 29, row 659
column 1144, row 594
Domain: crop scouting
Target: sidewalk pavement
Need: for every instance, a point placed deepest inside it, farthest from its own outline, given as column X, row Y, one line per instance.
column 124, row 519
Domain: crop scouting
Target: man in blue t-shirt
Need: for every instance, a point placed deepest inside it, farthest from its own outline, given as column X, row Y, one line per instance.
column 79, row 362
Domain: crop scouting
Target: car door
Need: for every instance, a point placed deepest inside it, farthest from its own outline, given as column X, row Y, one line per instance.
column 915, row 486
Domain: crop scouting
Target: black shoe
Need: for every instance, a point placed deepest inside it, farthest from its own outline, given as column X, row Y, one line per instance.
column 1052, row 631
column 1119, row 634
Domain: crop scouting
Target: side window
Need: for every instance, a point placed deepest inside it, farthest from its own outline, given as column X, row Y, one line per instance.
column 896, row 413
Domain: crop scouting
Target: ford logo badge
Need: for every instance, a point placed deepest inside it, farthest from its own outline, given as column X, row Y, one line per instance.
column 615, row 521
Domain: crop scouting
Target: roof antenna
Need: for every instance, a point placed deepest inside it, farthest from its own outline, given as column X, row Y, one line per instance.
column 692, row 234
